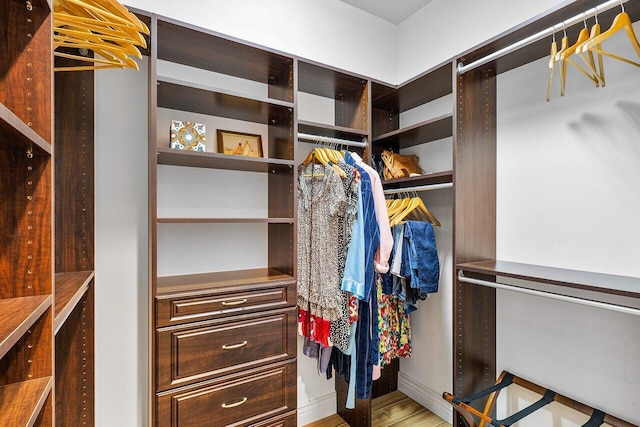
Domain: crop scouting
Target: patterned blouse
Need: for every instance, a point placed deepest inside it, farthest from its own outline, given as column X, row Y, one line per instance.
column 321, row 203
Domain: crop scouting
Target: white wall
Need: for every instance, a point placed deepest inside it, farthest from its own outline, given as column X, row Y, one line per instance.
column 121, row 341
column 568, row 197
column 327, row 31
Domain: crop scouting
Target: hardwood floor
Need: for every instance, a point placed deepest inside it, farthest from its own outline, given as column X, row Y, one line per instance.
column 391, row 410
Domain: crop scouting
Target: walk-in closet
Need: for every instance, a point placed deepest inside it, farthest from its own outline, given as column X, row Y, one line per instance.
column 319, row 213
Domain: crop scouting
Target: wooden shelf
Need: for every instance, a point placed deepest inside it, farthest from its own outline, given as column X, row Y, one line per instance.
column 17, row 315
column 222, row 92
column 428, row 86
column 189, row 97
column 575, row 279
column 169, row 156
column 444, row 177
column 326, row 81
column 15, row 135
column 322, row 129
column 194, row 282
column 70, row 288
column 226, row 220
column 21, row 403
column 427, row 131
column 201, row 48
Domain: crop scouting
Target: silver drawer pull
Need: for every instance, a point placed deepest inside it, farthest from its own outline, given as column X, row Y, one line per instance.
column 235, row 404
column 236, row 302
column 234, row 346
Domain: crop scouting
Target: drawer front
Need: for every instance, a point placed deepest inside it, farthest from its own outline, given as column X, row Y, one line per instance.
column 237, row 400
column 187, row 354
column 175, row 310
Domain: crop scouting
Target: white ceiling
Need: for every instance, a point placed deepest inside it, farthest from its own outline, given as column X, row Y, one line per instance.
column 394, row 11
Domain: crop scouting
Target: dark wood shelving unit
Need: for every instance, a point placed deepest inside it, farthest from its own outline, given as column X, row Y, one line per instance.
column 475, row 161
column 574, row 279
column 17, row 135
column 169, row 156
column 70, row 288
column 194, row 302
column 226, row 220
column 21, row 403
column 17, row 315
column 26, row 228
column 444, row 177
column 420, row 133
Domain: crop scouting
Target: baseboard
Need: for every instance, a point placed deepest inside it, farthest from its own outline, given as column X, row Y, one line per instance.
column 317, row 409
column 430, row 399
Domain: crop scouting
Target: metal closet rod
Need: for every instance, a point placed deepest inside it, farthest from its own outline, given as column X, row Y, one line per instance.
column 542, row 34
column 331, row 140
column 419, row 188
column 550, row 295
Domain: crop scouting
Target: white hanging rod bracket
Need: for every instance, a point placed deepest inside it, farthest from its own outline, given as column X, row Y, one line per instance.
column 463, row 68
column 551, row 295
column 418, row 188
column 332, row 140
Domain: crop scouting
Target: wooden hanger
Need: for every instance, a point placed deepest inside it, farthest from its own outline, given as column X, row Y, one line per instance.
column 103, row 26
column 622, row 21
column 564, row 57
column 552, row 64
column 321, row 155
column 589, row 60
column 412, row 206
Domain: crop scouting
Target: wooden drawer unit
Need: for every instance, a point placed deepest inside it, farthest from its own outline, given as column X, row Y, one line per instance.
column 175, row 309
column 203, row 350
column 242, row 399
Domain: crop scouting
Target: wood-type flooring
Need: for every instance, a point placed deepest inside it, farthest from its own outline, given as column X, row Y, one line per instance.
column 391, row 410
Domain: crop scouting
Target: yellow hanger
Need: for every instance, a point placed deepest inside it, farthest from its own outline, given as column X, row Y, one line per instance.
column 552, row 64
column 321, row 155
column 564, row 58
column 621, row 22
column 103, row 26
column 413, row 206
column 596, row 69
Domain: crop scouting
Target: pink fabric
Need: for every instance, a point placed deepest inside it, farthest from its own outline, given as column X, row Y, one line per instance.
column 381, row 260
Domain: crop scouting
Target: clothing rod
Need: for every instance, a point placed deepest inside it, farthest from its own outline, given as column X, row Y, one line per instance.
column 419, row 188
column 550, row 295
column 331, row 140
column 540, row 35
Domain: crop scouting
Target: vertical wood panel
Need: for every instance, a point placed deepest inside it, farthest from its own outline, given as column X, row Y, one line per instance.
column 74, row 169
column 74, row 366
column 475, row 229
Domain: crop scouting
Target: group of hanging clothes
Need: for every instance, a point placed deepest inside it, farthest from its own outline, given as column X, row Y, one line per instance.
column 358, row 278
column 414, row 274
column 344, row 241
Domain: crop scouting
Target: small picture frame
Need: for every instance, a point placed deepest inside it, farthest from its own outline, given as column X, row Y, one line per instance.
column 188, row 136
column 239, row 144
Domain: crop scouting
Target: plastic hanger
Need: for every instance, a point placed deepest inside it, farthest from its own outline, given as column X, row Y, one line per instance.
column 622, row 21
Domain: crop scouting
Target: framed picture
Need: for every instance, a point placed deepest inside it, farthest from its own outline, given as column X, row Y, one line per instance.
column 239, row 144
